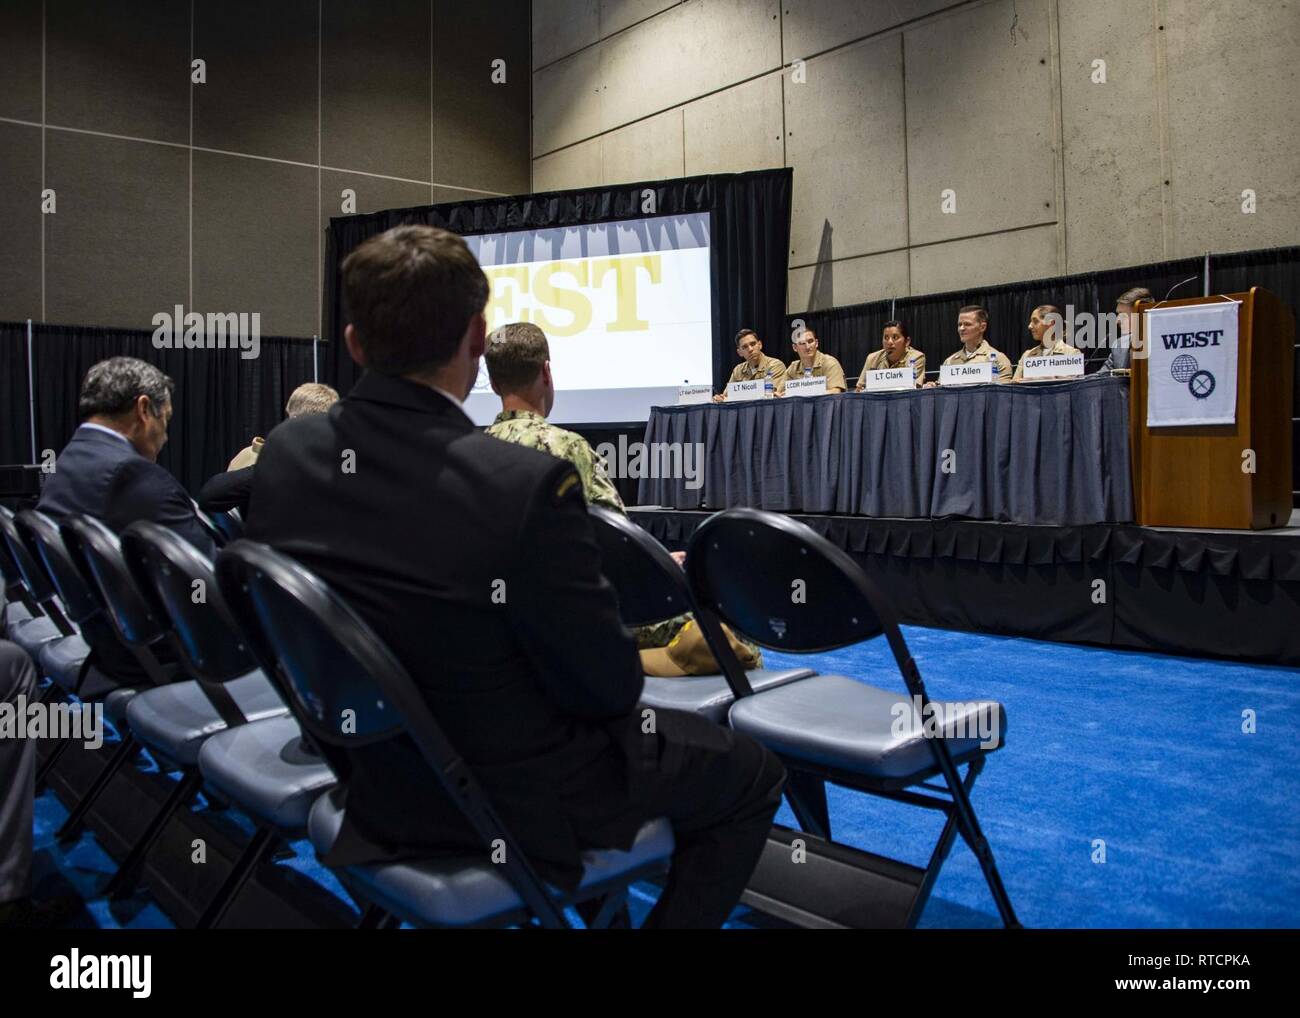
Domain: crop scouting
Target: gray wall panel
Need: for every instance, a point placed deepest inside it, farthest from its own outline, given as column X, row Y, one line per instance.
column 256, row 229
column 20, row 59
column 20, row 254
column 480, row 126
column 375, row 87
column 116, row 252
column 120, row 68
column 260, row 96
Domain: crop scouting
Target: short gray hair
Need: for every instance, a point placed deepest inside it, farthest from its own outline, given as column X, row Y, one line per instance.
column 111, row 387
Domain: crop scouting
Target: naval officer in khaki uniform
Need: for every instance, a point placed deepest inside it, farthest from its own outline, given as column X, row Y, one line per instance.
column 1047, row 337
column 972, row 328
column 895, row 351
column 754, row 364
column 812, row 363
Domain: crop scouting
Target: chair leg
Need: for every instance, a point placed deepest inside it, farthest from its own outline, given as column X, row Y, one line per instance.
column 50, row 761
column 123, row 881
column 969, row 828
column 613, row 912
column 126, row 750
column 372, row 918
column 258, row 849
column 807, row 795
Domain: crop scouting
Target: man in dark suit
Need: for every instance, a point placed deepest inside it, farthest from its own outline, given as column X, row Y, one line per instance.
column 108, row 470
column 474, row 559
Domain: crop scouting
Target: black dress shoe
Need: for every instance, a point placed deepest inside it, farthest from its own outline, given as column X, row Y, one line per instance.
column 28, row 914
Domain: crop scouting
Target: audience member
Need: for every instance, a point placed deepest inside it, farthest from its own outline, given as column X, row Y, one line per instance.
column 474, row 559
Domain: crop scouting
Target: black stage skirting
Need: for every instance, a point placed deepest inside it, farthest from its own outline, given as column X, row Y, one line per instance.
column 1047, row 453
column 1232, row 594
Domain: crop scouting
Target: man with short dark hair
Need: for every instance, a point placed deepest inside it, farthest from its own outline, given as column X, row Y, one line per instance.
column 475, row 561
column 754, row 364
column 109, row 468
column 972, row 330
column 812, row 363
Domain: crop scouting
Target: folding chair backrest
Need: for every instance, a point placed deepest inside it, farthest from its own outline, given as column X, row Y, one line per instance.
column 651, row 586
column 181, row 584
column 229, row 523
column 784, row 585
column 80, row 600
column 15, row 584
column 23, row 556
column 347, row 688
column 97, row 551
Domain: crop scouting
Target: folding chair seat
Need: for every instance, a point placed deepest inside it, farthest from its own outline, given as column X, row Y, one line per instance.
column 268, row 770
column 651, row 587
column 464, row 891
column 742, row 566
column 326, row 661
column 231, row 726
column 14, row 613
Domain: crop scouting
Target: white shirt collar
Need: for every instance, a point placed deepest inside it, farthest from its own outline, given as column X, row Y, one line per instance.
column 107, row 431
column 459, row 404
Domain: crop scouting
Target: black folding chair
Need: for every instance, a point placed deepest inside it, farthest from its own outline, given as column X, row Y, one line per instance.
column 651, row 587
column 787, row 587
column 49, row 622
column 69, row 661
column 97, row 551
column 19, row 605
column 259, row 761
column 332, row 666
column 230, row 524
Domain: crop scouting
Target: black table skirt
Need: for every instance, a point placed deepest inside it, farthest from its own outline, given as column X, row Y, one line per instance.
column 1048, row 453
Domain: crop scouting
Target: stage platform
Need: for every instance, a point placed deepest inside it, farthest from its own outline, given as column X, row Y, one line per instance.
column 1223, row 593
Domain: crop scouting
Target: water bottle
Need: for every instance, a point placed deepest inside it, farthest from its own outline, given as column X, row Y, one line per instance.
column 769, row 390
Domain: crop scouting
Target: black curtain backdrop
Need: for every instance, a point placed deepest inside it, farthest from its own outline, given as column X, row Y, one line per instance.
column 749, row 241
column 15, row 432
column 221, row 399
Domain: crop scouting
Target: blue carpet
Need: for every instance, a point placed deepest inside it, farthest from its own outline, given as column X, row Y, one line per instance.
column 1142, row 752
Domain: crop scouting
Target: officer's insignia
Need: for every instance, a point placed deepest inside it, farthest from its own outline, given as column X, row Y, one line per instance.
column 778, row 627
column 565, row 486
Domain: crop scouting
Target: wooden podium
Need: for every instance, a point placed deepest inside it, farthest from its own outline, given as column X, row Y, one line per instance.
column 1194, row 476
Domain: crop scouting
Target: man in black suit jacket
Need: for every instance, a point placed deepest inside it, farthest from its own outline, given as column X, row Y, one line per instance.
column 108, row 470
column 474, row 560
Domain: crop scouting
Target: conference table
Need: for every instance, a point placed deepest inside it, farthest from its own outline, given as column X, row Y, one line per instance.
column 1046, row 453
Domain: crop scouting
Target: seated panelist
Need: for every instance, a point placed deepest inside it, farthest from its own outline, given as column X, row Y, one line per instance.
column 753, row 364
column 812, row 363
column 1047, row 338
column 972, row 329
column 895, row 350
column 1120, row 356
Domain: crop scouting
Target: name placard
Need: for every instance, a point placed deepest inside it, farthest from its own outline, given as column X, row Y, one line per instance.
column 687, row 395
column 805, row 386
column 745, row 390
column 889, row 379
column 1059, row 365
column 973, row 373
